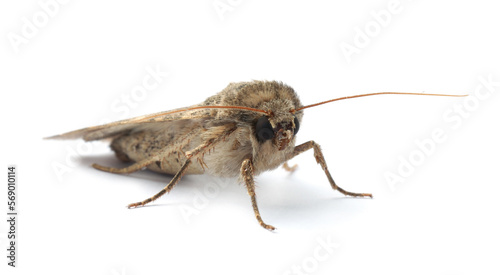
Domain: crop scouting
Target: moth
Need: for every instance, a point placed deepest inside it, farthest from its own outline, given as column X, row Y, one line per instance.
column 242, row 131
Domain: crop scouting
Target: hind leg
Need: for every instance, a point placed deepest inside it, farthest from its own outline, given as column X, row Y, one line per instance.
column 288, row 168
column 167, row 188
column 129, row 169
column 195, row 153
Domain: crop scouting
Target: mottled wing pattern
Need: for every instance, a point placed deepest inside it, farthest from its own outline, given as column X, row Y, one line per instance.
column 152, row 121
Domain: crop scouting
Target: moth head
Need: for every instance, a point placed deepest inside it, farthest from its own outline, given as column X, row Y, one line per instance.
column 279, row 125
column 280, row 133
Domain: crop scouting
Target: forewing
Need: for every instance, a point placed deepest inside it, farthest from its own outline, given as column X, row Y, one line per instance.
column 182, row 116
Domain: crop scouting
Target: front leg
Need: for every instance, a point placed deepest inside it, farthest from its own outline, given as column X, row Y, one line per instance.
column 321, row 160
column 247, row 176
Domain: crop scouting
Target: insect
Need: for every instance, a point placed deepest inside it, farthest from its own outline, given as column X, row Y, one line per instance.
column 242, row 131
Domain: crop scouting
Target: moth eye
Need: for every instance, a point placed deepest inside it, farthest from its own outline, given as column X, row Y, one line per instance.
column 296, row 122
column 264, row 129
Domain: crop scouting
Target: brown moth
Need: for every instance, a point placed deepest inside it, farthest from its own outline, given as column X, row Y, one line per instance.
column 244, row 130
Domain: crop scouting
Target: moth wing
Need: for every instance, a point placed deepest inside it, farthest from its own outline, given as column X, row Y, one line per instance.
column 182, row 118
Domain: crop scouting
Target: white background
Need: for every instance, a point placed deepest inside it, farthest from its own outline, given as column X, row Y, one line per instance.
column 80, row 64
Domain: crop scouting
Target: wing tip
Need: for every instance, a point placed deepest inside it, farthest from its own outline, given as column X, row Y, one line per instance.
column 70, row 135
column 59, row 137
column 52, row 137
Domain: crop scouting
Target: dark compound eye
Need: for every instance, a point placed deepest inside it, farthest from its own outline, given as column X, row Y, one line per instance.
column 264, row 129
column 296, row 122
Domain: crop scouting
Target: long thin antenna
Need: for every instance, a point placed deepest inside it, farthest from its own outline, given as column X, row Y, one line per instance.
column 355, row 96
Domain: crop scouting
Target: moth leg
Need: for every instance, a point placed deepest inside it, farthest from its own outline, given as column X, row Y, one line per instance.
column 167, row 188
column 288, row 168
column 201, row 149
column 127, row 170
column 321, row 160
column 247, row 175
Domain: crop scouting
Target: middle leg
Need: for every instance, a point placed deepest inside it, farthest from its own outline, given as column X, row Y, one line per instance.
column 247, row 175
